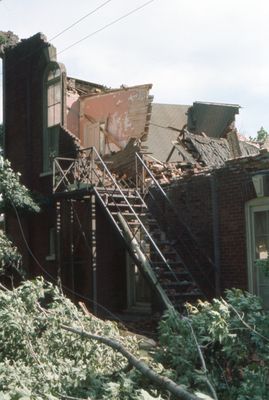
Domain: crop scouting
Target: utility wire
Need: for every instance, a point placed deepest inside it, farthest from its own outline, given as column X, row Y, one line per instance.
column 67, row 28
column 114, row 316
column 79, row 20
column 106, row 26
column 46, row 272
column 93, row 33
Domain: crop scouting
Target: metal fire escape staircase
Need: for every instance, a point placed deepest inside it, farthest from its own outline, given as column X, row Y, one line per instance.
column 147, row 244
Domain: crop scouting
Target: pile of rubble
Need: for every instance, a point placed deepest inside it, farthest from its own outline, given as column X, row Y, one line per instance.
column 198, row 153
column 166, row 173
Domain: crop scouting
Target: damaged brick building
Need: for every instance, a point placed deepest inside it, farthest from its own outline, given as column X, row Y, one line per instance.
column 142, row 204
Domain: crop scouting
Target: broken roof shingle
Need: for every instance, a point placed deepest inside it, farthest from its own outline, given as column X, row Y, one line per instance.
column 210, row 152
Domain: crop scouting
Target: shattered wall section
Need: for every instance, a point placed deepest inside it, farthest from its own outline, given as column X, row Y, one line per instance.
column 72, row 112
column 109, row 120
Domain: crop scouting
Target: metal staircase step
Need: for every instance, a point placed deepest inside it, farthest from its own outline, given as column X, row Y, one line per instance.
column 188, row 295
column 178, row 284
column 180, row 274
column 165, row 261
column 127, row 214
column 125, row 205
column 116, row 191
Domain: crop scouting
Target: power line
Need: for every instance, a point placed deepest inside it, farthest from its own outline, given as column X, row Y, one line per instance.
column 114, row 316
column 93, row 33
column 106, row 26
column 79, row 20
column 68, row 27
column 46, row 272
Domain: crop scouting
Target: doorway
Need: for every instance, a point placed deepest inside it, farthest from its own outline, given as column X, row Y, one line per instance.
column 138, row 289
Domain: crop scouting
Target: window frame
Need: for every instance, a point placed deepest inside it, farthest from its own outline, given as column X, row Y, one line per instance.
column 252, row 206
column 53, row 129
column 51, row 244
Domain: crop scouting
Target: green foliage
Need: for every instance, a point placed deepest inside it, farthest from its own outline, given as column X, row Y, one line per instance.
column 264, row 265
column 1, row 136
column 9, row 255
column 39, row 360
column 262, row 134
column 13, row 193
column 2, row 39
column 233, row 336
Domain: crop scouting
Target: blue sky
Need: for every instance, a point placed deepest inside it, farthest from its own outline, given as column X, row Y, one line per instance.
column 189, row 50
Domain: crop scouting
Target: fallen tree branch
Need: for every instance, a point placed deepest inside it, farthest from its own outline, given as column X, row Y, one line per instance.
column 204, row 368
column 4, row 288
column 229, row 305
column 161, row 381
column 65, row 397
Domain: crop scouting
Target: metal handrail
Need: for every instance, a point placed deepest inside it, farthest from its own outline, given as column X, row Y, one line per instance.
column 57, row 166
column 95, row 156
column 134, row 212
column 172, row 207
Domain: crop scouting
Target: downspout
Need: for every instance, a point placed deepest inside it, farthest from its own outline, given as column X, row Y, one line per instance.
column 216, row 234
column 4, row 118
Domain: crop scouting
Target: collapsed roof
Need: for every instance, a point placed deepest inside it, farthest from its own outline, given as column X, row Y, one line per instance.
column 193, row 134
column 215, row 119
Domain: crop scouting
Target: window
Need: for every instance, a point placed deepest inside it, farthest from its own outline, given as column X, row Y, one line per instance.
column 258, row 247
column 52, row 245
column 54, row 98
column 53, row 114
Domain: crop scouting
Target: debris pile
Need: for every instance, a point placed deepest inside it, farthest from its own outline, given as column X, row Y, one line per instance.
column 198, row 153
column 165, row 173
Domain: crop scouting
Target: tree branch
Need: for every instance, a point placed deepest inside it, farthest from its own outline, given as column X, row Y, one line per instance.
column 161, row 381
column 204, row 368
column 243, row 321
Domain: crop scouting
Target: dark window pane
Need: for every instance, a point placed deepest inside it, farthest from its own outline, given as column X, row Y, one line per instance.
column 54, row 73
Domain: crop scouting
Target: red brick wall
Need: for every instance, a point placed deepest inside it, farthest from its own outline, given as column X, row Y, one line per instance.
column 192, row 197
column 110, row 257
column 24, row 69
column 25, row 65
column 234, row 190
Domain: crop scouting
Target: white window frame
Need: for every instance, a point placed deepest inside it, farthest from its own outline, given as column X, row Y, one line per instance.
column 261, row 203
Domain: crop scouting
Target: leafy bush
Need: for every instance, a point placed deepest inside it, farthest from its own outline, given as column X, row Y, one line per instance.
column 17, row 197
column 9, row 255
column 233, row 337
column 13, row 193
column 40, row 360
